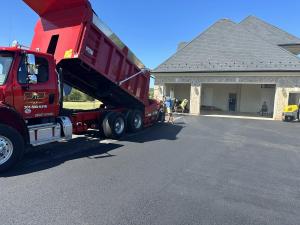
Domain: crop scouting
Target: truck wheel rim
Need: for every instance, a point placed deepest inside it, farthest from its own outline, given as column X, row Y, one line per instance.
column 119, row 126
column 137, row 121
column 6, row 149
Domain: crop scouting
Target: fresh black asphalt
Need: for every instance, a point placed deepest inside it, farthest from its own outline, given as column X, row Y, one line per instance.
column 208, row 171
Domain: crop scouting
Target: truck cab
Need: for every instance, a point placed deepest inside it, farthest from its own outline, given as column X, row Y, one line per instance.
column 30, row 99
column 29, row 84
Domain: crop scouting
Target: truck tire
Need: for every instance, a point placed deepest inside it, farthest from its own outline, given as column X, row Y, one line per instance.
column 114, row 125
column 161, row 116
column 101, row 123
column 135, row 121
column 11, row 147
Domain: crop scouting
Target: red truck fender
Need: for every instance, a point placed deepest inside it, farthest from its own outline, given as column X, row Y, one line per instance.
column 12, row 118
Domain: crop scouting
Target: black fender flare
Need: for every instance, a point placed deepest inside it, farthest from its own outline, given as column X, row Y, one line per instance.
column 10, row 117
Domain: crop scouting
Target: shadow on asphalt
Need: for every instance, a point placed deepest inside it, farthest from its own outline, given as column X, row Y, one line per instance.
column 88, row 146
column 52, row 155
column 162, row 131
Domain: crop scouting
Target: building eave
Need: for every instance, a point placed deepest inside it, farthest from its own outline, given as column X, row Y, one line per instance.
column 228, row 71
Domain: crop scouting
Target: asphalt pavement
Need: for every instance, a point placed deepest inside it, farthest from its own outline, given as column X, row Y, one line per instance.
column 201, row 170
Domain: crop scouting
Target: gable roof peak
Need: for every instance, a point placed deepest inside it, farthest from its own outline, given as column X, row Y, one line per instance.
column 228, row 46
column 251, row 17
column 224, row 20
column 268, row 32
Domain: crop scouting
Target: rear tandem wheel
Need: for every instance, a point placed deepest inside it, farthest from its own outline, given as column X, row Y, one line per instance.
column 114, row 125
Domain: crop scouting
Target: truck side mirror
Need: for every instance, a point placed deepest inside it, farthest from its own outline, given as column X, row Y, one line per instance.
column 32, row 79
column 31, row 66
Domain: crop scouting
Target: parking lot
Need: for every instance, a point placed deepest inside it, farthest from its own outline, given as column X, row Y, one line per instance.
column 201, row 170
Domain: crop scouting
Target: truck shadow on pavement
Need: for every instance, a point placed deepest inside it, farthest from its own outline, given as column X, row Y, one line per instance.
column 90, row 146
column 52, row 155
column 162, row 131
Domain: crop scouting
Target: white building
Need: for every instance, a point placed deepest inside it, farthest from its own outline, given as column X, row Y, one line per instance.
column 234, row 67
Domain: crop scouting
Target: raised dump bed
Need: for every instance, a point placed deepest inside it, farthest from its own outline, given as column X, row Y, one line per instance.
column 91, row 56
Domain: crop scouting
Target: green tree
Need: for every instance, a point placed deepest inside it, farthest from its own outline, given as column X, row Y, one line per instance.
column 151, row 93
column 89, row 98
column 76, row 96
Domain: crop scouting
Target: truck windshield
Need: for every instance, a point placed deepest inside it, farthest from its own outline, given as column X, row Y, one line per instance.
column 6, row 59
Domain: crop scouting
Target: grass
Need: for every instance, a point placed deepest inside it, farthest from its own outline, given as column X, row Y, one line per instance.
column 82, row 105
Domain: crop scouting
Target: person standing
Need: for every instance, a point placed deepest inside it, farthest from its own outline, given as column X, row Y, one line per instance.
column 168, row 105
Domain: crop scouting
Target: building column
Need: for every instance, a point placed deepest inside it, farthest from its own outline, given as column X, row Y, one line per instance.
column 159, row 91
column 195, row 98
column 280, row 101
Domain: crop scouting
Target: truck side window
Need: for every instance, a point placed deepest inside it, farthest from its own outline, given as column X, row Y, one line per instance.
column 43, row 70
column 22, row 72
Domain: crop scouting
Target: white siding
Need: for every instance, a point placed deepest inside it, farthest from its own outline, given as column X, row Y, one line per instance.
column 180, row 91
column 250, row 97
column 218, row 94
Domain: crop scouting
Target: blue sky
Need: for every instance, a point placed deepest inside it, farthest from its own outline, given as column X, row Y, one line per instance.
column 153, row 28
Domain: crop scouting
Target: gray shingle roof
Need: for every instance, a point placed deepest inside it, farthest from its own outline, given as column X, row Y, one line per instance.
column 268, row 32
column 227, row 46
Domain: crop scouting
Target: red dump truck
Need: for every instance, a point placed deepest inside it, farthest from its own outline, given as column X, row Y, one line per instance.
column 71, row 46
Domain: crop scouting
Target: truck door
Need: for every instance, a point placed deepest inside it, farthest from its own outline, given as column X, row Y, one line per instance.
column 40, row 99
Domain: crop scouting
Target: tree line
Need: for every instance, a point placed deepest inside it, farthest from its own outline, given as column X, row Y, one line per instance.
column 78, row 96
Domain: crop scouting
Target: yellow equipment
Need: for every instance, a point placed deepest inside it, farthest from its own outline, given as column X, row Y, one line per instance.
column 184, row 104
column 290, row 113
